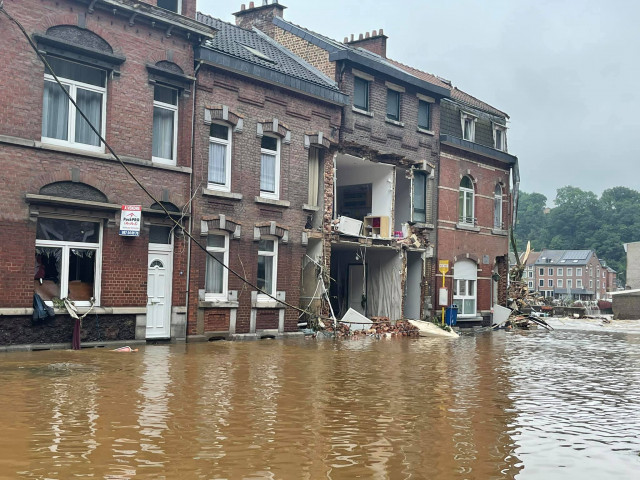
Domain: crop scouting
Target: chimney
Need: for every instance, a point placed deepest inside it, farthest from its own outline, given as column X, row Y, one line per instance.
column 260, row 17
column 375, row 42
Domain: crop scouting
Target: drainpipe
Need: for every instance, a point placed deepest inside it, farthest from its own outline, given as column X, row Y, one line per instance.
column 191, row 180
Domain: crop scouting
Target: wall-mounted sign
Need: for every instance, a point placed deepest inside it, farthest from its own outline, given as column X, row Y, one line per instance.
column 130, row 220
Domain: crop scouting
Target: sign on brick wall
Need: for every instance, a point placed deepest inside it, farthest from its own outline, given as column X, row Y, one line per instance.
column 130, row 220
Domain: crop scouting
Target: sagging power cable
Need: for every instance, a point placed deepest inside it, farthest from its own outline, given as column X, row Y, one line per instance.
column 130, row 173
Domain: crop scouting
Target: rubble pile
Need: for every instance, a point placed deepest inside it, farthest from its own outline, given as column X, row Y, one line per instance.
column 520, row 299
column 379, row 329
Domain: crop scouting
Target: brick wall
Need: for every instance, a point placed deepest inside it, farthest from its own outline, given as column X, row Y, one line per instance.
column 309, row 52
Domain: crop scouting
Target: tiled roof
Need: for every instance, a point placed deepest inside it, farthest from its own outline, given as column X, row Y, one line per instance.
column 472, row 101
column 564, row 257
column 237, row 42
column 420, row 74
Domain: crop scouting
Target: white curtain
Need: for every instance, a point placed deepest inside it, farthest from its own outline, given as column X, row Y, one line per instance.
column 91, row 104
column 265, row 273
column 55, row 115
column 314, row 174
column 268, row 173
column 163, row 133
column 217, row 163
column 215, row 273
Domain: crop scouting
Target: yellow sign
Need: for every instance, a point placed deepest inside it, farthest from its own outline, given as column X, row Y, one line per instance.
column 443, row 266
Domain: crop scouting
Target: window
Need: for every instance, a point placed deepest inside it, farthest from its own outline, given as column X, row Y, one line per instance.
column 569, row 272
column 497, row 207
column 551, row 271
column 541, row 282
column 550, row 283
column 560, row 271
column 267, row 266
column 579, row 283
column 67, row 260
column 219, row 157
column 530, row 274
column 361, row 93
column 393, row 105
column 465, row 274
column 468, row 127
column 569, row 283
column 165, row 124
column 424, row 115
column 465, row 202
column 578, row 272
column 419, row 197
column 270, row 167
column 500, row 137
column 530, row 284
column 61, row 123
column 542, row 271
column 560, row 283
column 216, row 276
column 314, row 176
column 172, row 5
column 590, row 284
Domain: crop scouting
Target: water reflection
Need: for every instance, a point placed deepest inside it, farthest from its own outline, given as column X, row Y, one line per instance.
column 486, row 406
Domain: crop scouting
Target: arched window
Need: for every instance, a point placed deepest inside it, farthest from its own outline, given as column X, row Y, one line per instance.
column 465, row 279
column 465, row 202
column 497, row 208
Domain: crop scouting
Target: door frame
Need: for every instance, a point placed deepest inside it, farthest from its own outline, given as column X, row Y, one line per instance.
column 164, row 249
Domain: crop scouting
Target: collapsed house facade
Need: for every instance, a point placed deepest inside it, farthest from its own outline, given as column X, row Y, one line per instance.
column 375, row 234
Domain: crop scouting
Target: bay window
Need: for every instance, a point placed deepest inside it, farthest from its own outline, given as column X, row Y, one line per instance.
column 270, row 167
column 61, row 123
column 68, row 260
column 219, row 157
column 165, row 124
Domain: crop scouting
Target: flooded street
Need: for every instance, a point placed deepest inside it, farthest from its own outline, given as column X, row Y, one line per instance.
column 532, row 405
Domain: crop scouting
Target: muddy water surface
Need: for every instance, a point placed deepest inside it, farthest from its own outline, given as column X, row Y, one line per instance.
column 496, row 405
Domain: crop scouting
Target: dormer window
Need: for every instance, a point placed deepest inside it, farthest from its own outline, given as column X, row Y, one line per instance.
column 500, row 137
column 468, row 122
column 171, row 5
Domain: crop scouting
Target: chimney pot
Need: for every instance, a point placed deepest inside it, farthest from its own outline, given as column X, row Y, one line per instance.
column 352, row 37
column 264, row 2
column 374, row 33
column 381, row 32
column 346, row 40
column 251, row 5
column 366, row 35
column 360, row 37
column 243, row 7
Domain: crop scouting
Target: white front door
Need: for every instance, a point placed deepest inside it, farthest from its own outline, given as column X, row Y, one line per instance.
column 159, row 293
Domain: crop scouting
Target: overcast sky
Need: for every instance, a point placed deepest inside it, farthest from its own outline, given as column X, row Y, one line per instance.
column 566, row 72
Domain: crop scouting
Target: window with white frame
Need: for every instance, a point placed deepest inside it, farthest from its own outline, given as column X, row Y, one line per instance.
column 560, row 283
column 579, row 283
column 578, row 272
column 560, row 271
column 267, row 266
column 530, row 274
column 219, row 172
column 550, row 271
column 500, row 137
column 468, row 126
column 217, row 276
column 542, row 271
column 550, row 283
column 68, row 260
column 569, row 272
column 590, row 283
column 497, row 207
column 393, row 105
column 361, row 93
column 61, row 122
column 465, row 276
column 569, row 283
column 541, row 282
column 270, row 167
column 530, row 284
column 419, row 197
column 465, row 201
column 165, row 124
column 171, row 5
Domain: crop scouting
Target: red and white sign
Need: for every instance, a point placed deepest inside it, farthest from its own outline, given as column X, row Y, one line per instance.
column 130, row 220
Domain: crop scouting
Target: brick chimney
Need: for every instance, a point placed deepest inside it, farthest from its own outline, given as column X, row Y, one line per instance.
column 260, row 17
column 375, row 42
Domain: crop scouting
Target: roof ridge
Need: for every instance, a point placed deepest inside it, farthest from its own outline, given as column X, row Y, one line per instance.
column 478, row 100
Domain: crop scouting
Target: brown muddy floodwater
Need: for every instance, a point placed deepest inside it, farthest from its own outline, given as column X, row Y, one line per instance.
column 536, row 405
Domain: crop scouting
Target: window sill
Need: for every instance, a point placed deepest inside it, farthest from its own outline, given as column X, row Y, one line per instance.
column 269, row 303
column 465, row 226
column 273, row 201
column 499, row 231
column 217, row 304
column 310, row 208
column 425, row 131
column 220, row 194
column 361, row 112
column 394, row 122
column 163, row 161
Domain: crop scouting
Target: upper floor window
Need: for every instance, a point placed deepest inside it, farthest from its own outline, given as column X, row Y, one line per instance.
column 541, row 282
column 315, row 181
column 541, row 271
column 500, row 137
column 579, row 283
column 497, row 207
column 468, row 126
column 578, row 272
column 267, row 265
column 216, row 276
column 393, row 105
column 550, row 271
column 551, row 282
column 165, row 124
column 560, row 282
column 61, row 122
column 569, row 283
column 270, row 167
column 424, row 115
column 465, row 202
column 361, row 93
column 172, row 5
column 560, row 271
column 569, row 271
column 219, row 177
column 420, row 197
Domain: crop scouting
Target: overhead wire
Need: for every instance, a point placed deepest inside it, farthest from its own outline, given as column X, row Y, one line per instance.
column 131, row 174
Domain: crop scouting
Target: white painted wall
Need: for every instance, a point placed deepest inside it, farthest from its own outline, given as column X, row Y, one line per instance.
column 403, row 199
column 380, row 177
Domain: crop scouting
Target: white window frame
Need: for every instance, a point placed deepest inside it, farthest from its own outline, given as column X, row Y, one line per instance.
column 264, row 253
column 71, row 127
column 550, row 270
column 550, row 283
column 467, row 117
column 579, row 283
column 560, row 283
column 174, row 109
column 578, row 272
column 541, row 282
column 227, row 166
column 541, row 271
column 530, row 274
column 213, row 296
column 465, row 272
column 497, row 207
column 569, row 283
column 530, row 284
column 569, row 272
column 560, row 272
column 179, row 7
column 64, row 266
column 502, row 146
column 464, row 216
column 263, row 151
column 590, row 283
